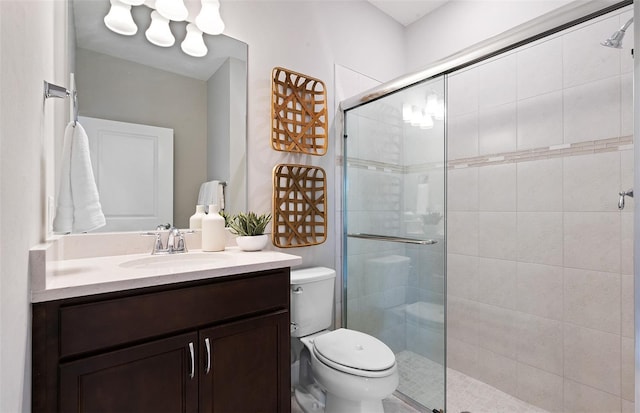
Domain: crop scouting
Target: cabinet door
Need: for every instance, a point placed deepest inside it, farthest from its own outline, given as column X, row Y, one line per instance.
column 246, row 366
column 160, row 376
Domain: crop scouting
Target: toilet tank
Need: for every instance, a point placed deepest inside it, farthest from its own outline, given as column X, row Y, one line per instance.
column 311, row 293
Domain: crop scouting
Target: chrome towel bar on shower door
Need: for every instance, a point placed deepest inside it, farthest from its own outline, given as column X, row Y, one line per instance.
column 388, row 238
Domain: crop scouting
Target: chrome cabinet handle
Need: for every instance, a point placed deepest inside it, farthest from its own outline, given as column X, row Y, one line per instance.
column 193, row 361
column 207, row 344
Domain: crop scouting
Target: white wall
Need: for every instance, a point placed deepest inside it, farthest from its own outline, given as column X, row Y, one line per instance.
column 307, row 37
column 30, row 35
column 462, row 23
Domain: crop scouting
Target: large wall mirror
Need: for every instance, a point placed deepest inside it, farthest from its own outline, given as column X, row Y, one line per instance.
column 201, row 101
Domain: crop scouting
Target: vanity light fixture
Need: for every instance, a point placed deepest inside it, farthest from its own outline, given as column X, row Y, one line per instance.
column 159, row 32
column 132, row 2
column 209, row 21
column 193, row 43
column 119, row 19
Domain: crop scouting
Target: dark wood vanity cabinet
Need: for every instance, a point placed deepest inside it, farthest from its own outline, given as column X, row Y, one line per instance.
column 220, row 345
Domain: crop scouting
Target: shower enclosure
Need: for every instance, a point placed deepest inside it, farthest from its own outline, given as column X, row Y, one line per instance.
column 536, row 257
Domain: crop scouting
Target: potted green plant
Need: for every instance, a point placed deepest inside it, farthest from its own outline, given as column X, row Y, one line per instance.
column 250, row 230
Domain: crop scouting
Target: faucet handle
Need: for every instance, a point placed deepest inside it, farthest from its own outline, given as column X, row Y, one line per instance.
column 181, row 246
column 176, row 242
column 157, row 244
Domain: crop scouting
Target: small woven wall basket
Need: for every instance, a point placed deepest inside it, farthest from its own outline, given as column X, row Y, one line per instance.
column 298, row 113
column 299, row 206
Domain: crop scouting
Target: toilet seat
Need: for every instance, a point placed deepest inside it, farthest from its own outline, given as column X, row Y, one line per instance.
column 354, row 353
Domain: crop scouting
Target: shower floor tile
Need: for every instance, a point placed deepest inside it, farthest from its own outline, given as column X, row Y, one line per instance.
column 421, row 379
column 391, row 405
column 466, row 394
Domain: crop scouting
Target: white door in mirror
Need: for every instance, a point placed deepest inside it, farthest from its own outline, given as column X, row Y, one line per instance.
column 133, row 168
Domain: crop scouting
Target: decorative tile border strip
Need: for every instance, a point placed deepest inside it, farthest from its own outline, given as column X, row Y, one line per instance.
column 555, row 151
column 373, row 165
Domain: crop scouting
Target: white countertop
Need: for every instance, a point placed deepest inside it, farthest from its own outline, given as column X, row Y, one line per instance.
column 57, row 279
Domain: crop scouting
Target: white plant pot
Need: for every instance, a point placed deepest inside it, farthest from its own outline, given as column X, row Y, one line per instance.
column 253, row 243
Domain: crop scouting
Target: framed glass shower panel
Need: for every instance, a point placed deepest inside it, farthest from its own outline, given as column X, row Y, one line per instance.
column 394, row 230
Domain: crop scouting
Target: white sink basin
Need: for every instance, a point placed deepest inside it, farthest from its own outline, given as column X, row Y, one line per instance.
column 181, row 261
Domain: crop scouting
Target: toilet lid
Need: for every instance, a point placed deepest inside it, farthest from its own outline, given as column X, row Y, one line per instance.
column 349, row 350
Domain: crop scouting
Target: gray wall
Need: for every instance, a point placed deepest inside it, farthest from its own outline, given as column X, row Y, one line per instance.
column 116, row 89
column 226, row 131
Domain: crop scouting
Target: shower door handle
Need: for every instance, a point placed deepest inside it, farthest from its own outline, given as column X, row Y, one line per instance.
column 389, row 238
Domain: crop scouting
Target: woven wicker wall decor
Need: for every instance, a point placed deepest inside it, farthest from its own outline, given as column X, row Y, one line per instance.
column 299, row 113
column 299, row 205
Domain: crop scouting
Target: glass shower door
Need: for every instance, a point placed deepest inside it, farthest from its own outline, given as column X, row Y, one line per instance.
column 394, row 259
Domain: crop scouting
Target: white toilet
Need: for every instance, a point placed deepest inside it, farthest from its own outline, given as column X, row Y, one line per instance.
column 341, row 371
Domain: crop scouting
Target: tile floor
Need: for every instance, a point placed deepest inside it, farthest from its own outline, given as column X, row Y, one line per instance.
column 466, row 394
column 391, row 405
column 422, row 380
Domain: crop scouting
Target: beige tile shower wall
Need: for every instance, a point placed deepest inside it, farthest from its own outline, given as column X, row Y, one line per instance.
column 540, row 291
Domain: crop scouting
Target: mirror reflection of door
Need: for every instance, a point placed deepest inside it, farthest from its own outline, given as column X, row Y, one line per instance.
column 133, row 167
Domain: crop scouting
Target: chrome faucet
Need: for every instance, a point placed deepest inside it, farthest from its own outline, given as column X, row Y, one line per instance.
column 175, row 241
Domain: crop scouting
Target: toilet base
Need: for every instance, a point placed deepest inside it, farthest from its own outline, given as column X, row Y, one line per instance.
column 308, row 403
column 335, row 404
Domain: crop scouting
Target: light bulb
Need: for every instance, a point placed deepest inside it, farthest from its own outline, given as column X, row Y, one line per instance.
column 133, row 2
column 119, row 19
column 432, row 104
column 172, row 9
column 209, row 20
column 193, row 43
column 440, row 114
column 406, row 112
column 159, row 32
column 416, row 116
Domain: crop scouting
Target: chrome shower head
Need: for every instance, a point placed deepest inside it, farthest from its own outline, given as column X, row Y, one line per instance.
column 615, row 40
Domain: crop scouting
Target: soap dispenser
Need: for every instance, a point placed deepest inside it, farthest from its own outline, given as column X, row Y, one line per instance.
column 213, row 233
column 195, row 222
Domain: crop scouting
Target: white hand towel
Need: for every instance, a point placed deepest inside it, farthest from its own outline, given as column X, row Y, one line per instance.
column 208, row 193
column 79, row 208
column 220, row 195
column 63, row 221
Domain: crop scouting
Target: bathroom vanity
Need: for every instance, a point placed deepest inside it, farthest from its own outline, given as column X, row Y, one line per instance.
column 216, row 340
